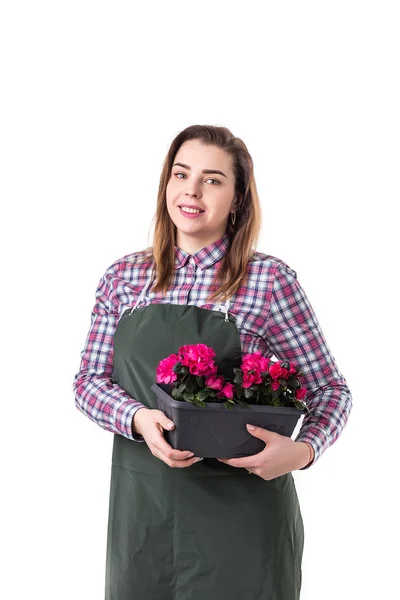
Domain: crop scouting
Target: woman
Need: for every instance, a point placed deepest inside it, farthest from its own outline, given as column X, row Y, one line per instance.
column 183, row 528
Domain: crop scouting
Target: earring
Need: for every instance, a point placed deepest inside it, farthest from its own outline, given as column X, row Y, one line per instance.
column 233, row 217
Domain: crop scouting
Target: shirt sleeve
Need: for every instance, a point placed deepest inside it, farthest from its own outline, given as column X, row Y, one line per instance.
column 293, row 333
column 96, row 395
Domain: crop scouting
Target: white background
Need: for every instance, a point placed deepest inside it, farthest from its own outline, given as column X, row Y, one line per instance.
column 92, row 95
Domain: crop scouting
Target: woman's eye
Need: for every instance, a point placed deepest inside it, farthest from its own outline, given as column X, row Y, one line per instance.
column 209, row 179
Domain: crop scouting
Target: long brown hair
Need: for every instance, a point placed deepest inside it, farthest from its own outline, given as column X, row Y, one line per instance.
column 242, row 236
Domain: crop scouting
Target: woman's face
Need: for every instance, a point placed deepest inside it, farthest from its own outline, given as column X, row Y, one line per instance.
column 212, row 192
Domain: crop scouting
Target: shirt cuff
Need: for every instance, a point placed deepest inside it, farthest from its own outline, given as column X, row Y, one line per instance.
column 123, row 420
column 318, row 445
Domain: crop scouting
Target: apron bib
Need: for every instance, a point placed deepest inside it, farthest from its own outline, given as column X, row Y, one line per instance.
column 206, row 531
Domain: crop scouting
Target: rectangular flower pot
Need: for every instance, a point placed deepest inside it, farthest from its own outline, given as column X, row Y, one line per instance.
column 214, row 431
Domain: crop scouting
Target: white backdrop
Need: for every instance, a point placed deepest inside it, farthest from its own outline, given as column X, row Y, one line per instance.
column 92, row 94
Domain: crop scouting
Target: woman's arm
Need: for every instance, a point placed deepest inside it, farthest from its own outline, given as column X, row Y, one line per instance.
column 104, row 402
column 293, row 333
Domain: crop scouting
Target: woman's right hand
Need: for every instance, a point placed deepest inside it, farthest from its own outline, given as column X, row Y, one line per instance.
column 150, row 423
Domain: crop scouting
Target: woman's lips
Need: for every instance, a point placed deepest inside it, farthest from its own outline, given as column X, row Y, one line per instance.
column 190, row 215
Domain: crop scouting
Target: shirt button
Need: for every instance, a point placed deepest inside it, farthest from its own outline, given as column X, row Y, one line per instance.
column 191, row 261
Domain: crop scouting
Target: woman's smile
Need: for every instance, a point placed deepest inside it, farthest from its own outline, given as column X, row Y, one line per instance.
column 191, row 213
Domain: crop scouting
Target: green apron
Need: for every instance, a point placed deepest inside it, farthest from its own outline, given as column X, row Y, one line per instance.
column 209, row 531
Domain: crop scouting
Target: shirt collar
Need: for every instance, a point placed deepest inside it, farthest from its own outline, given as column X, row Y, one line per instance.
column 205, row 257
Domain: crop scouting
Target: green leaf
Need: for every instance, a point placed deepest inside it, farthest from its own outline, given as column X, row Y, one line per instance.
column 238, row 377
column 247, row 392
column 202, row 394
column 176, row 394
column 188, row 396
column 200, row 381
column 228, row 405
column 199, row 403
column 190, row 385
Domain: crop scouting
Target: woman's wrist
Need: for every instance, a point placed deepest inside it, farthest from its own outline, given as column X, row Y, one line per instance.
column 307, row 454
column 136, row 421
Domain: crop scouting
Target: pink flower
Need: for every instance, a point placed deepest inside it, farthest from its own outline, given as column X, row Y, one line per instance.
column 284, row 372
column 255, row 361
column 164, row 370
column 301, row 393
column 199, row 358
column 193, row 352
column 275, row 371
column 292, row 369
column 215, row 382
column 250, row 378
column 227, row 391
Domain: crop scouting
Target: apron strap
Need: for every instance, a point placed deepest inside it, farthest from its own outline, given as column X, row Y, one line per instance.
column 143, row 292
column 226, row 309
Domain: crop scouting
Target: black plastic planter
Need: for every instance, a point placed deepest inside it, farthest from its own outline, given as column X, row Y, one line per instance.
column 214, row 431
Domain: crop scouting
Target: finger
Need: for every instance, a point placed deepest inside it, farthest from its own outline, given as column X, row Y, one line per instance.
column 166, row 423
column 162, row 445
column 246, row 461
column 171, row 453
column 178, row 464
column 182, row 464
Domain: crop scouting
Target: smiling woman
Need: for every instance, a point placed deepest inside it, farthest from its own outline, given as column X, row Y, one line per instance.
column 199, row 206
column 176, row 522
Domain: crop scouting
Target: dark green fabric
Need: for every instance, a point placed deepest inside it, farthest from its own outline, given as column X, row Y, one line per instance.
column 209, row 531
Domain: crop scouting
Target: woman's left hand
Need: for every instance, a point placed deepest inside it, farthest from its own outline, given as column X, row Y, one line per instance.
column 281, row 455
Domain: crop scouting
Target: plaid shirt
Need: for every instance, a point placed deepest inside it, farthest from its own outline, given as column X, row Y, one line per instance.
column 273, row 316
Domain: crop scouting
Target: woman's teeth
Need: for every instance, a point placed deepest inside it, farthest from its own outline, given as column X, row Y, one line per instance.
column 191, row 210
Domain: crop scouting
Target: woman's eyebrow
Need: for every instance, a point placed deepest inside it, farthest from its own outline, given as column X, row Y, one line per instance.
column 208, row 171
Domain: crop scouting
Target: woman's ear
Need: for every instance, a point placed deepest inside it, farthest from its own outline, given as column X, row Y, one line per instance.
column 234, row 204
column 237, row 201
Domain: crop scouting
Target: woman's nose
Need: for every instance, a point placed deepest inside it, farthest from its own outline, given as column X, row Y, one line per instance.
column 192, row 188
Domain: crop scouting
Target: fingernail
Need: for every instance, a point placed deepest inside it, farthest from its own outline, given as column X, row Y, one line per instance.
column 251, row 427
column 198, row 460
column 170, row 425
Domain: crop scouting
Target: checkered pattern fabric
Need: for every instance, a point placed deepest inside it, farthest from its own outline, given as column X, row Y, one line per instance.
column 273, row 316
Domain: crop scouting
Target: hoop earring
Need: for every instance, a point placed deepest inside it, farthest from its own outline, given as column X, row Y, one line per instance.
column 233, row 217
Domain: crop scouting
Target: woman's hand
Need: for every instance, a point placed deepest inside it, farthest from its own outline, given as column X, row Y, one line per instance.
column 150, row 423
column 281, row 455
